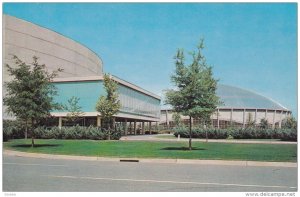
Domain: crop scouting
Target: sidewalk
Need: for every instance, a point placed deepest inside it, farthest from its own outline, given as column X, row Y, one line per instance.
column 149, row 160
column 156, row 137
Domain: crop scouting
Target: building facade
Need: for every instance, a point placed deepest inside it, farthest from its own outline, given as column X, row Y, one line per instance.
column 239, row 107
column 82, row 75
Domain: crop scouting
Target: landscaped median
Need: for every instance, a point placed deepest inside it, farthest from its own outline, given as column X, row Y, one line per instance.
column 157, row 149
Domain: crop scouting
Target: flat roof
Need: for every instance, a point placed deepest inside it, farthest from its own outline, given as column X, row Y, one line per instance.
column 100, row 77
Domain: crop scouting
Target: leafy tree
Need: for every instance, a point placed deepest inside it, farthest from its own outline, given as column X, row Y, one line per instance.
column 289, row 123
column 195, row 93
column 264, row 124
column 74, row 110
column 177, row 119
column 30, row 93
column 109, row 105
column 250, row 122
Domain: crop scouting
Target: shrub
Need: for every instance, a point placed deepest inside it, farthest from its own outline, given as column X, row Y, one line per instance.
column 289, row 135
column 238, row 133
column 76, row 132
column 12, row 129
column 201, row 133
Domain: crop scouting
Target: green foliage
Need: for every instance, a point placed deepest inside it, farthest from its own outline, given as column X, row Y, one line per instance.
column 177, row 119
column 12, row 129
column 195, row 95
column 264, row 123
column 76, row 132
column 239, row 133
column 288, row 134
column 109, row 105
column 30, row 94
column 289, row 123
column 74, row 110
column 250, row 122
column 201, row 133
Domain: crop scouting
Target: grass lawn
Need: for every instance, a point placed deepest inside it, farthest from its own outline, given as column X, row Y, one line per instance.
column 173, row 137
column 156, row 149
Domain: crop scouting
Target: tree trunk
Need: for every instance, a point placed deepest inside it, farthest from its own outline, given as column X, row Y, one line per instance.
column 109, row 128
column 205, row 133
column 32, row 141
column 190, row 132
column 114, row 123
column 32, row 133
column 26, row 130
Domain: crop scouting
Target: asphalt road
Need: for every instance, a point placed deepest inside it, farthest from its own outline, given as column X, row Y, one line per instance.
column 21, row 174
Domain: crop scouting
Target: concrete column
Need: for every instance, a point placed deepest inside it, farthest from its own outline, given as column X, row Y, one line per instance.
column 218, row 120
column 244, row 115
column 255, row 118
column 266, row 114
column 274, row 115
column 130, row 127
column 59, row 122
column 143, row 128
column 231, row 114
column 280, row 121
column 134, row 127
column 150, row 131
column 98, row 121
column 125, row 129
column 156, row 124
column 167, row 120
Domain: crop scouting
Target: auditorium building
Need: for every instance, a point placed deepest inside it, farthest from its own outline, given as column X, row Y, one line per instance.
column 82, row 76
column 141, row 110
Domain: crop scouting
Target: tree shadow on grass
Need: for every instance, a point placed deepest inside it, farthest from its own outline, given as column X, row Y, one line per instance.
column 182, row 148
column 35, row 146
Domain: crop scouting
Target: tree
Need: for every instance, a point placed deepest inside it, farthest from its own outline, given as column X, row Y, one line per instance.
column 250, row 122
column 289, row 123
column 109, row 105
column 264, row 124
column 74, row 110
column 177, row 119
column 30, row 93
column 195, row 93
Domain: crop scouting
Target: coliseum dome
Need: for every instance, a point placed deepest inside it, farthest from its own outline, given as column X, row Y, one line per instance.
column 238, row 108
column 234, row 97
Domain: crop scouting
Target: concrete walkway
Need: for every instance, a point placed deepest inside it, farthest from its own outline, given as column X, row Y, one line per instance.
column 147, row 160
column 170, row 137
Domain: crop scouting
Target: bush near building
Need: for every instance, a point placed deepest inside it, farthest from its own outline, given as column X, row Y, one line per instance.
column 10, row 131
column 13, row 130
column 239, row 133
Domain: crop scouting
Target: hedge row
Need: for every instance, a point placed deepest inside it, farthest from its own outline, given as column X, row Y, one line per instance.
column 76, row 132
column 247, row 133
column 12, row 130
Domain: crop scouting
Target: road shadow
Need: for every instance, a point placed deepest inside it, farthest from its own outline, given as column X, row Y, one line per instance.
column 182, row 148
column 35, row 146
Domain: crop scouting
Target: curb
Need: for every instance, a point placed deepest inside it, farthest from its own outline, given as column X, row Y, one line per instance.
column 145, row 160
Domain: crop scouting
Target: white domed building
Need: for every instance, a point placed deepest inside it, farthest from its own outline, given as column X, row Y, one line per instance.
column 238, row 107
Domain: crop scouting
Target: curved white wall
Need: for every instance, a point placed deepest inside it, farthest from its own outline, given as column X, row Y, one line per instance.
column 26, row 40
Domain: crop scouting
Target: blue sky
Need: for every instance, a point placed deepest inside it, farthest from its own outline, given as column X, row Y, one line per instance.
column 252, row 46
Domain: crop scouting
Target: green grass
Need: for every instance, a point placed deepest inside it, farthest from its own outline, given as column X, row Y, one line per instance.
column 166, row 137
column 173, row 138
column 145, row 149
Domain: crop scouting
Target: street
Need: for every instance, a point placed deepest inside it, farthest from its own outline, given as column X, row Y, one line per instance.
column 22, row 174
